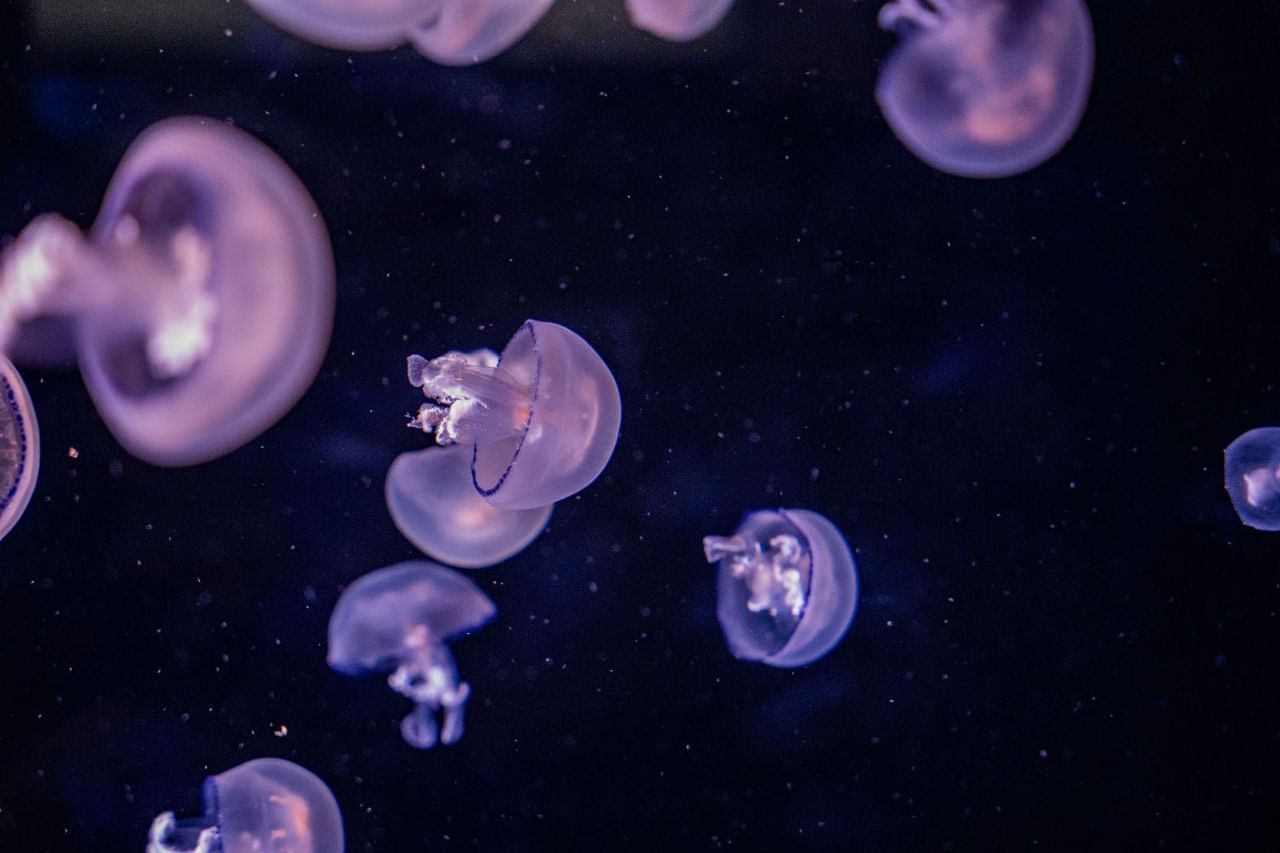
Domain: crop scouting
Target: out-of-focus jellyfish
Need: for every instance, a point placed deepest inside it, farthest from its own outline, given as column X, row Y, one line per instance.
column 1252, row 464
column 19, row 446
column 264, row 804
column 678, row 20
column 399, row 618
column 201, row 302
column 436, row 506
column 986, row 88
column 788, row 588
column 541, row 423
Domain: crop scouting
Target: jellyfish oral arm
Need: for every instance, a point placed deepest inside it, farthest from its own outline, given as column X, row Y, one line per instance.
column 925, row 14
column 474, row 402
column 168, row 835
column 34, row 273
column 773, row 579
column 430, row 679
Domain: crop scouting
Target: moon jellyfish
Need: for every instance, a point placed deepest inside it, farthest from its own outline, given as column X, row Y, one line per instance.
column 202, row 300
column 986, row 88
column 1252, row 465
column 677, row 20
column 541, row 423
column 264, row 804
column 464, row 32
column 399, row 618
column 19, row 446
column 788, row 588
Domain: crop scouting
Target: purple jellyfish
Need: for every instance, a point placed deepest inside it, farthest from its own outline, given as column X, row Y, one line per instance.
column 986, row 88
column 678, row 20
column 201, row 302
column 1252, row 464
column 19, row 446
column 788, row 588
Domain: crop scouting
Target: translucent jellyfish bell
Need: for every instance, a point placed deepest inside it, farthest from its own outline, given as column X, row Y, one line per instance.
column 677, row 20
column 399, row 618
column 19, row 446
column 264, row 804
column 465, row 32
column 542, row 423
column 202, row 300
column 788, row 588
column 986, row 88
column 1252, row 464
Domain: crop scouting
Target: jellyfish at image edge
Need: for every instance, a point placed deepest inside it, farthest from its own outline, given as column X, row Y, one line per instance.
column 1252, row 464
column 541, row 423
column 677, row 20
column 450, row 32
column 788, row 587
column 400, row 618
column 201, row 302
column 986, row 88
column 264, row 804
column 19, row 446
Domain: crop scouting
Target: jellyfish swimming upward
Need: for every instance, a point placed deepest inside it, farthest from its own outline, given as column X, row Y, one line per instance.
column 1252, row 464
column 19, row 446
column 677, row 20
column 267, row 804
column 986, row 88
column 787, row 586
column 400, row 618
column 200, row 304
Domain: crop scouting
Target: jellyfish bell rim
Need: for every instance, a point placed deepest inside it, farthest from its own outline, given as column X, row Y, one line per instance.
column 29, row 429
column 355, row 35
column 642, row 18
column 422, row 37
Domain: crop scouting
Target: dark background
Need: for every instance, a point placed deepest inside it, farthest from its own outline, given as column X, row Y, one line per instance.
column 1012, row 396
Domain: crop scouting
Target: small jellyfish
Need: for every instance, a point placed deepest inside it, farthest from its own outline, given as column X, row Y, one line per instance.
column 200, row 304
column 677, row 20
column 19, row 446
column 399, row 618
column 788, row 588
column 541, row 423
column 264, row 804
column 1252, row 464
column 986, row 88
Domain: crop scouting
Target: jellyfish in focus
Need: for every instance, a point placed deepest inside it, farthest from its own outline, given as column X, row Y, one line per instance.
column 264, row 804
column 677, row 20
column 19, row 446
column 986, row 88
column 541, row 423
column 788, row 587
column 1252, row 464
column 201, row 302
column 400, row 618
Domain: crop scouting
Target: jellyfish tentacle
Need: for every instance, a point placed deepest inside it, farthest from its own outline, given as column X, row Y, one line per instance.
column 36, row 272
column 167, row 835
column 926, row 14
column 473, row 401
column 430, row 678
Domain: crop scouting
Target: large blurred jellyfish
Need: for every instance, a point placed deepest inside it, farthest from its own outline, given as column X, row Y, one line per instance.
column 1252, row 464
column 19, row 446
column 264, row 804
column 677, row 20
column 986, row 88
column 200, row 303
column 400, row 619
column 541, row 423
column 788, row 588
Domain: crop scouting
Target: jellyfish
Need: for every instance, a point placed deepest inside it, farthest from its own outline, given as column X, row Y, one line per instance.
column 541, row 423
column 264, row 804
column 201, row 302
column 19, row 446
column 986, row 88
column 1252, row 464
column 677, row 20
column 788, row 587
column 399, row 619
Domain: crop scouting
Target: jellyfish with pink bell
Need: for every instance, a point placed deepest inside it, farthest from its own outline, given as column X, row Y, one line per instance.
column 450, row 32
column 1252, row 466
column 677, row 20
column 200, row 303
column 986, row 88
column 787, row 586
column 19, row 446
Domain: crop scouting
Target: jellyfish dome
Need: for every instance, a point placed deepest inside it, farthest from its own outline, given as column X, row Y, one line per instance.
column 986, row 88
column 1252, row 464
column 788, row 587
column 264, row 804
column 400, row 618
column 542, row 422
column 19, row 447
column 202, row 301
column 677, row 20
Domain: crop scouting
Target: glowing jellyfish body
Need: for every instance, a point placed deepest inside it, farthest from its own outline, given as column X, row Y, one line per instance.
column 202, row 302
column 677, row 20
column 1252, row 464
column 400, row 618
column 19, row 446
column 788, row 587
column 542, row 422
column 264, row 804
column 986, row 88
